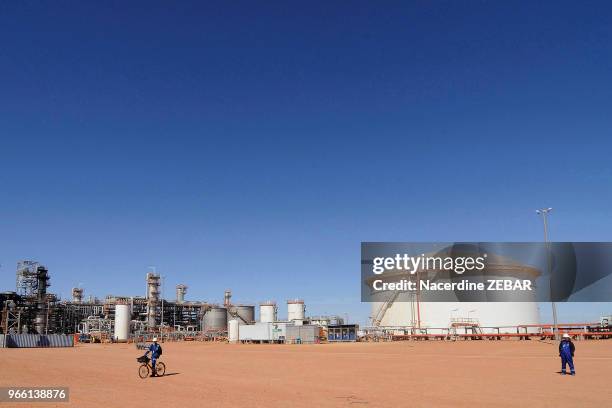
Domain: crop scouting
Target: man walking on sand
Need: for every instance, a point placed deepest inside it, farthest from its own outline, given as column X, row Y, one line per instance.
column 566, row 352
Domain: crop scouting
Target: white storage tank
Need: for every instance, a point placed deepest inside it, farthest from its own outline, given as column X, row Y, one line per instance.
column 296, row 310
column 439, row 315
column 492, row 312
column 233, row 330
column 267, row 312
column 122, row 322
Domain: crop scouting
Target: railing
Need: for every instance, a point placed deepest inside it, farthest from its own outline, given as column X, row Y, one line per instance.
column 464, row 321
column 521, row 332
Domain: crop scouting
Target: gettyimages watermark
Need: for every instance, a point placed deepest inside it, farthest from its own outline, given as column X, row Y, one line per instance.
column 486, row 272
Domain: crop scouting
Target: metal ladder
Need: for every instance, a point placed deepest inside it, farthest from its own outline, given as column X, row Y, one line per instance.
column 383, row 309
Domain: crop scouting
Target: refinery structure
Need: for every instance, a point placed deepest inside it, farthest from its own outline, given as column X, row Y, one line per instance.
column 33, row 309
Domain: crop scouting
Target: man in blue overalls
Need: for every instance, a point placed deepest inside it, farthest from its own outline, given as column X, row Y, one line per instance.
column 155, row 350
column 566, row 352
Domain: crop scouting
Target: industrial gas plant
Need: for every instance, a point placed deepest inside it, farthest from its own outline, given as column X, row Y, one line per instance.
column 32, row 309
column 32, row 316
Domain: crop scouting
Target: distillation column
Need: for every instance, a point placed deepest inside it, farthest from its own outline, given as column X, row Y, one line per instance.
column 181, row 291
column 77, row 295
column 153, row 281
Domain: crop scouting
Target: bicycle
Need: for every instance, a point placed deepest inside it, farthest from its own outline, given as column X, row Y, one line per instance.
column 145, row 368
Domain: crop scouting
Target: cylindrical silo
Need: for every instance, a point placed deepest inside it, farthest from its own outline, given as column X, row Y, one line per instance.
column 491, row 311
column 439, row 315
column 215, row 319
column 245, row 314
column 296, row 310
column 122, row 322
column 233, row 329
column 267, row 312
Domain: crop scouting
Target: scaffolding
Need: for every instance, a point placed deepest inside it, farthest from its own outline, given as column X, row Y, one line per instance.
column 186, row 314
column 26, row 282
column 11, row 319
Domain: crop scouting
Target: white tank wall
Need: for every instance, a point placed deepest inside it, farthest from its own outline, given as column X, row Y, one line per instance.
column 438, row 314
column 296, row 311
column 122, row 322
column 267, row 313
column 233, row 330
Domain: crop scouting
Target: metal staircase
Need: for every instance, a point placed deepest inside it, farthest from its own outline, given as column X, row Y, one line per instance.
column 380, row 313
column 473, row 325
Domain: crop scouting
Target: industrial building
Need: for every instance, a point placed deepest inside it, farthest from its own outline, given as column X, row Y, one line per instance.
column 342, row 333
column 32, row 309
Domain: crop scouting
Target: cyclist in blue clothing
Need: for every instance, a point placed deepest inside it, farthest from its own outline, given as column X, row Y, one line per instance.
column 156, row 351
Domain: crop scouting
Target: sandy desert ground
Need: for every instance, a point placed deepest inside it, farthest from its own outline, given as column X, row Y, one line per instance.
column 403, row 374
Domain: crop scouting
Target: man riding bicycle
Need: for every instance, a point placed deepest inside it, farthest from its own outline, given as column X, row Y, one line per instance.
column 156, row 351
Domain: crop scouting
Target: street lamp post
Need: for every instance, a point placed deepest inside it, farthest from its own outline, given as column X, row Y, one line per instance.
column 544, row 213
column 162, row 308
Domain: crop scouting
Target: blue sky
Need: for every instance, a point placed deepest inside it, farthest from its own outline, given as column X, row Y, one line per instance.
column 254, row 146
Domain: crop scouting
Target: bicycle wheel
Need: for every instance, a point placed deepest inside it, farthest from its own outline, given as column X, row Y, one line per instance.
column 160, row 369
column 143, row 371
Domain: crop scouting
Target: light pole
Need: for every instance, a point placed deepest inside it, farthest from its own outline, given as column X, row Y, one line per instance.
column 544, row 213
column 162, row 308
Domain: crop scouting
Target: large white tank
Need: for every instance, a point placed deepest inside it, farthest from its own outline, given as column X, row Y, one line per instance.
column 296, row 310
column 122, row 322
column 439, row 315
column 233, row 330
column 404, row 310
column 267, row 312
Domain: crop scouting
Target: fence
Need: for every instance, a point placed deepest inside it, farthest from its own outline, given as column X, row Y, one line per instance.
column 36, row 340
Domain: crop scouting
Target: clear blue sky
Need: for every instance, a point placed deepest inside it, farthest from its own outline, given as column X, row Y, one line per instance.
column 254, row 146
